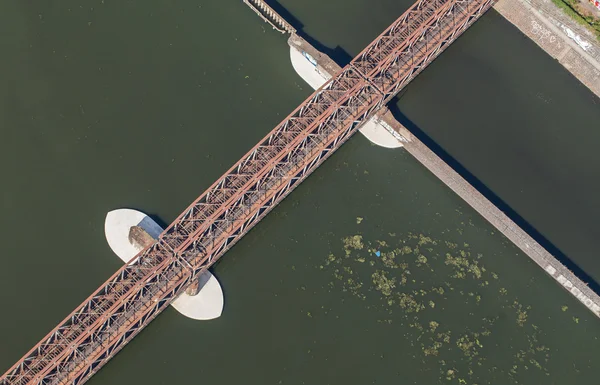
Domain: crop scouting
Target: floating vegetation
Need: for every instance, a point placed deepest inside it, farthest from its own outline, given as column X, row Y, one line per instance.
column 382, row 283
column 358, row 220
column 409, row 303
column 353, row 243
column 462, row 265
column 436, row 289
column 521, row 314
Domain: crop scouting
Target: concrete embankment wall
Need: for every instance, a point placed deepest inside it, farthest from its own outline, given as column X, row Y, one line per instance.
column 504, row 224
column 549, row 27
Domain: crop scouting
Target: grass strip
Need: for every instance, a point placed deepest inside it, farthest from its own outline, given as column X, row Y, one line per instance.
column 570, row 8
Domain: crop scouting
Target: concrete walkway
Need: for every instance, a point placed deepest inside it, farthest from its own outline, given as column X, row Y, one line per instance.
column 504, row 224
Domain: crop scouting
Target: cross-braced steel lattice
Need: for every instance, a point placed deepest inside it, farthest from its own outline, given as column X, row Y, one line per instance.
column 141, row 289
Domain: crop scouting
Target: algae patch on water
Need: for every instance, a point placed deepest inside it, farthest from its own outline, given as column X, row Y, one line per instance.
column 447, row 303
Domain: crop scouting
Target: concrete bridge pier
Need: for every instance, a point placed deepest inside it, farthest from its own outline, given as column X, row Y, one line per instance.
column 130, row 231
column 316, row 68
column 194, row 288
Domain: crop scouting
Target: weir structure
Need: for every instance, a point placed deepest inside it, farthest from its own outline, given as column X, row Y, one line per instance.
column 116, row 312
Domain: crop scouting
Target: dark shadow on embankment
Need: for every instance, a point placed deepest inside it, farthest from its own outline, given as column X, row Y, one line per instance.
column 338, row 54
column 489, row 194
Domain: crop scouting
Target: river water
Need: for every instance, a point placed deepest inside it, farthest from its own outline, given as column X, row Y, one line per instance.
column 144, row 104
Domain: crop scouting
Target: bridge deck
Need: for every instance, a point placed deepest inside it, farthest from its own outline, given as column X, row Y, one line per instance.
column 140, row 290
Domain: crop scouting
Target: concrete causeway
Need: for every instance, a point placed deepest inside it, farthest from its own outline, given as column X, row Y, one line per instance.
column 504, row 224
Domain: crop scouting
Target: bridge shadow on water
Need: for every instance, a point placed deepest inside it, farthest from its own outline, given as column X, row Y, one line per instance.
column 489, row 194
column 338, row 54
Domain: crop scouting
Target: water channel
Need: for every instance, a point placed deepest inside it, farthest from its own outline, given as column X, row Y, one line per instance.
column 144, row 104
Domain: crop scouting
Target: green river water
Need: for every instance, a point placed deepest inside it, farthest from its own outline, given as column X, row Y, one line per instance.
column 143, row 104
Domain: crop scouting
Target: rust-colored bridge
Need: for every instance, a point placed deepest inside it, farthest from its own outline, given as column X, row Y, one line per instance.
column 140, row 290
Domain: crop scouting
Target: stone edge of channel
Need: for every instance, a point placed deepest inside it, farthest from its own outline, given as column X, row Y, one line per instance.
column 505, row 225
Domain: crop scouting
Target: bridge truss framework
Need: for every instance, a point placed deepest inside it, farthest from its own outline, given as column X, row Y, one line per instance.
column 82, row 343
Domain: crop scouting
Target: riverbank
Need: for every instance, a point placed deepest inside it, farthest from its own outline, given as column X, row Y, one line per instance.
column 575, row 47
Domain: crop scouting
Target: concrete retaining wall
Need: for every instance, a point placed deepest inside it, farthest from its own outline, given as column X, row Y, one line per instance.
column 504, row 224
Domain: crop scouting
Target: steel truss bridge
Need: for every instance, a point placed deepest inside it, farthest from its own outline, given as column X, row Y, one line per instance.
column 115, row 313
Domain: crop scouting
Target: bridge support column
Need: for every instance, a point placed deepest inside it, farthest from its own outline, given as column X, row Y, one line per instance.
column 194, row 288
